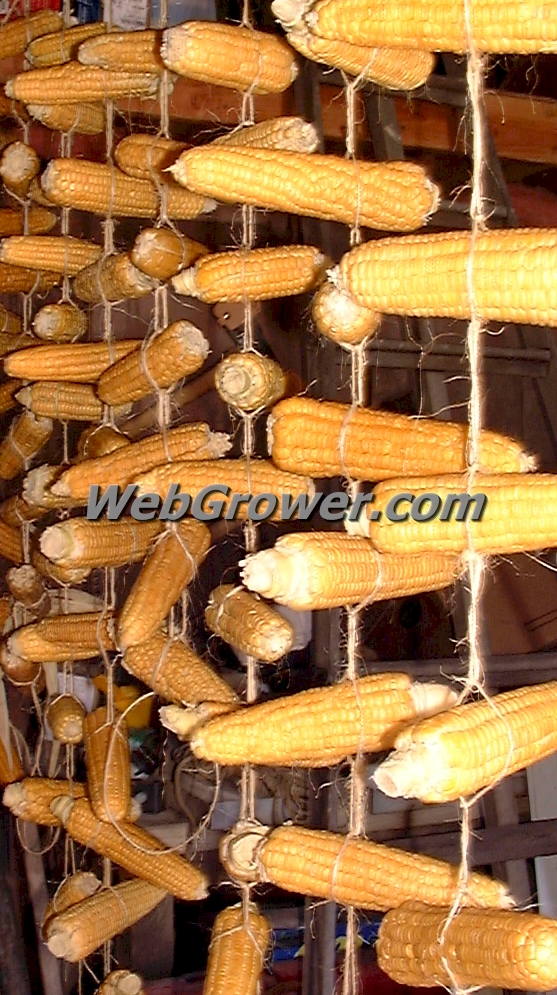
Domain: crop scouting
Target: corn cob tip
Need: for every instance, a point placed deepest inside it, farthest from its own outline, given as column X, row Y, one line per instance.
column 290, row 13
column 260, row 572
column 126, row 984
column 217, row 445
column 239, row 851
column 429, row 699
column 56, row 542
column 14, row 796
column 184, row 721
column 61, row 807
column 400, row 774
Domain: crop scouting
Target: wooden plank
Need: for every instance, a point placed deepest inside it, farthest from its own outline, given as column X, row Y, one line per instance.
column 498, row 844
column 34, row 868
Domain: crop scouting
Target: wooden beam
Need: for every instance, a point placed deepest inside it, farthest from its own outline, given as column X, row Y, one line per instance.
column 498, row 844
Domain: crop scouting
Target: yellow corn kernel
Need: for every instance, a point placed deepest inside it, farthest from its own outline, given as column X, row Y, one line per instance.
column 107, row 755
column 239, row 943
column 16, row 510
column 289, row 134
column 254, row 274
column 26, row 437
column 146, row 157
column 72, row 890
column 55, row 49
column 79, row 362
column 15, row 35
column 11, row 769
column 248, row 624
column 162, row 252
column 58, row 254
column 31, row 798
column 248, row 381
column 61, row 574
column 65, row 716
column 176, row 673
column 19, row 164
column 78, row 635
column 83, row 543
column 113, row 278
column 124, row 51
column 37, row 487
column 60, row 323
column 60, row 84
column 82, row 119
column 14, row 343
column 39, row 220
column 394, row 196
column 100, row 440
column 63, row 401
column 227, row 55
column 18, row 279
column 8, row 391
column 337, row 316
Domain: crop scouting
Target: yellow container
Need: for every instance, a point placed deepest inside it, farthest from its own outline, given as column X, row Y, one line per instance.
column 138, row 717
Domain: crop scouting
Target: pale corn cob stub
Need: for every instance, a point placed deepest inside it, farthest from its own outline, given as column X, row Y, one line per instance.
column 76, row 362
column 65, row 716
column 146, row 157
column 112, row 278
column 78, row 635
column 27, row 587
column 261, row 477
column 253, row 274
column 248, row 624
column 349, row 870
column 326, row 438
column 19, row 671
column 58, row 253
column 289, row 134
column 227, row 55
column 132, row 848
column 248, row 381
column 166, row 357
column 316, row 570
column 62, row 322
column 122, row 464
column 480, row 948
column 19, row 164
column 337, row 316
column 30, row 798
column 82, row 119
column 55, row 49
column 437, row 26
column 124, row 51
column 16, row 34
column 81, row 929
column 176, row 673
column 473, row 746
column 60, row 84
column 394, row 196
column 168, row 569
column 426, row 275
column 37, row 488
column 183, row 721
column 107, row 756
column 240, row 940
column 83, row 543
column 321, row 726
column 121, row 983
column 72, row 890
column 26, row 436
column 519, row 515
column 162, row 252
column 96, row 187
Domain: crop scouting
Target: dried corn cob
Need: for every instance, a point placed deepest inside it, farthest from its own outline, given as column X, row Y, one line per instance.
column 314, row 570
column 169, row 568
column 8, row 391
column 60, row 84
column 510, row 281
column 13, row 343
column 10, row 764
column 519, row 514
column 248, row 624
column 63, row 401
column 183, row 721
column 253, row 274
column 15, row 511
column 438, row 760
column 60, row 323
column 56, row 253
column 100, row 440
column 123, row 464
column 162, row 252
column 6, row 605
column 176, row 673
column 84, row 543
column 121, row 983
column 176, row 352
column 27, row 587
column 19, row 671
column 72, row 890
column 31, row 798
column 76, row 636
column 124, row 51
column 55, row 49
column 321, row 726
column 26, row 436
column 480, row 947
column 78, row 362
column 436, row 27
column 325, row 438
column 348, row 870
column 394, row 196
column 261, row 477
column 81, row 929
column 289, row 134
column 102, row 189
column 17, row 279
column 248, row 381
column 146, row 157
column 61, row 574
column 83, row 119
column 396, row 68
column 10, row 323
column 37, row 488
column 65, row 716
column 40, row 221
column 339, row 318
column 19, row 164
column 132, row 851
column 16, row 34
column 112, row 279
column 231, row 56
column 239, row 943
column 107, row 755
